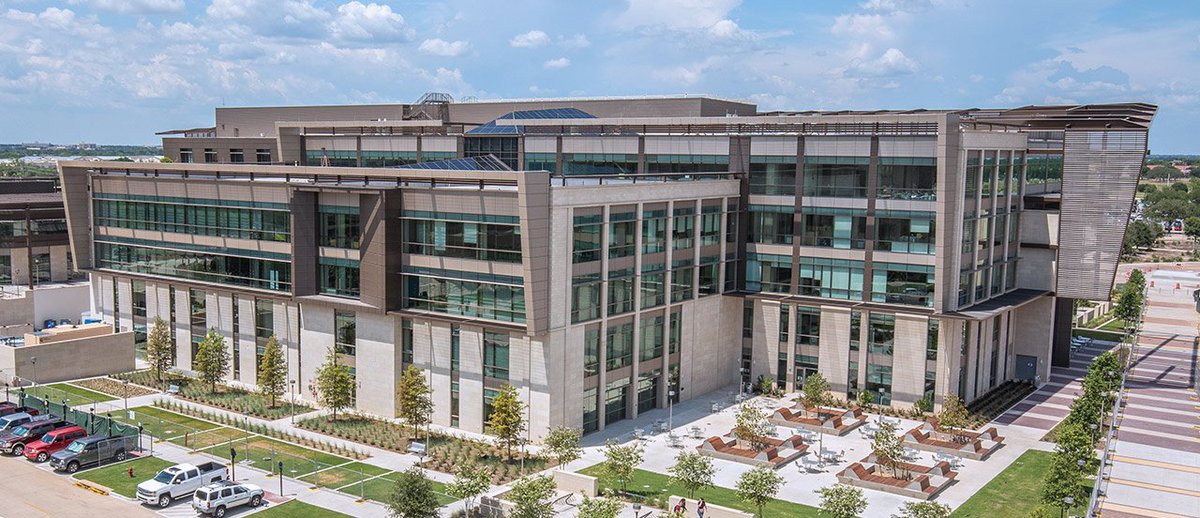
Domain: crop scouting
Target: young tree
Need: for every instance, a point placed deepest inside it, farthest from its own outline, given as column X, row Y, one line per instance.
column 1129, row 304
column 759, row 486
column 888, row 448
column 563, row 443
column 864, row 399
column 925, row 509
column 620, row 461
column 413, row 496
column 842, row 501
column 1074, row 442
column 469, row 482
column 751, row 425
column 953, row 416
column 693, row 472
column 158, row 349
column 272, row 371
column 1191, row 228
column 600, row 507
column 816, row 391
column 530, row 496
column 508, row 419
column 1062, row 481
column 413, row 403
column 335, row 384
column 1138, row 279
column 212, row 359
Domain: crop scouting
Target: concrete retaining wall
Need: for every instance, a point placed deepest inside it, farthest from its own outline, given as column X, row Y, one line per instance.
column 71, row 359
column 576, row 483
column 1087, row 315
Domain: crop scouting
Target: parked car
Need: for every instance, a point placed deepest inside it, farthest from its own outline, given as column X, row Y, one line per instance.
column 29, row 432
column 91, row 450
column 41, row 449
column 12, row 421
column 215, row 499
column 14, row 409
column 179, row 481
column 5, row 405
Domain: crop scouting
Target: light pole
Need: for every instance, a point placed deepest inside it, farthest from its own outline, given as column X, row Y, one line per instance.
column 1093, row 426
column 670, row 412
column 126, row 395
column 292, row 400
column 33, row 361
column 1067, row 502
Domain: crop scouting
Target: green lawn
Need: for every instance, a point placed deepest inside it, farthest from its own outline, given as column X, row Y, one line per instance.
column 646, row 483
column 162, row 424
column 1016, row 491
column 298, row 509
column 116, row 476
column 264, row 453
column 1097, row 334
column 208, row 438
column 344, row 475
column 75, row 395
column 379, row 489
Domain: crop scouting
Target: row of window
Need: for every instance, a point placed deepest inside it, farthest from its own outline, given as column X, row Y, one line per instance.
column 327, row 158
column 897, row 177
column 651, row 285
column 240, row 223
column 623, row 231
column 465, row 298
column 40, row 269
column 36, row 227
column 843, row 229
column 463, row 239
column 204, row 267
column 236, row 156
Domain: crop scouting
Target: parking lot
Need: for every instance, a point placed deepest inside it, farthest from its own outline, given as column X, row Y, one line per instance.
column 31, row 490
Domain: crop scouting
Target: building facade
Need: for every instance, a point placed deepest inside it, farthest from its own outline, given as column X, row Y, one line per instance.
column 605, row 256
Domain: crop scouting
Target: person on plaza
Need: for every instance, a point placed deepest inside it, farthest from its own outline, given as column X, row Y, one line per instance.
column 700, row 508
column 681, row 507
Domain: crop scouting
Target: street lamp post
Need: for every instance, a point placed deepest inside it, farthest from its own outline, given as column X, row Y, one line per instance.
column 33, row 361
column 1067, row 502
column 292, row 401
column 126, row 395
column 670, row 412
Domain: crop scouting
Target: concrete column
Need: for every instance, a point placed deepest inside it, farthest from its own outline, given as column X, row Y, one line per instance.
column 247, row 346
column 376, row 372
column 470, row 376
column 908, row 359
column 834, row 356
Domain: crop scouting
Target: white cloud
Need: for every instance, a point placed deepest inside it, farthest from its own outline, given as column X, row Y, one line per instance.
column 862, row 25
column 369, row 22
column 676, row 14
column 562, row 62
column 530, row 40
column 440, row 47
column 892, row 62
column 135, row 6
column 577, row 41
column 290, row 18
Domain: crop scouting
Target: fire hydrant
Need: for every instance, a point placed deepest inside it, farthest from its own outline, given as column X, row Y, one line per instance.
column 130, row 471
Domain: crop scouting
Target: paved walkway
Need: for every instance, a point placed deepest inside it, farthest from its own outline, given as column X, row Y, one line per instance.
column 1049, row 404
column 1156, row 457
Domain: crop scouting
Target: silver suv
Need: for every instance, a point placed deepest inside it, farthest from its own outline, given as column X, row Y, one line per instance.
column 216, row 499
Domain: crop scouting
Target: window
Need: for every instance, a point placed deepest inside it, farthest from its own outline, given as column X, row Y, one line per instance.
column 647, row 388
column 200, row 266
column 684, row 228
column 785, row 313
column 686, row 163
column 139, row 298
column 6, row 269
column 771, row 224
column 585, row 297
column 591, row 351
column 931, row 340
column 904, row 232
column 622, row 237
column 855, row 329
column 406, row 341
column 842, row 177
column 653, row 286
column 489, row 241
column 264, row 318
column 710, row 226
column 651, row 346
column 237, row 156
column 768, row 273
column 345, row 333
column 586, row 239
column 236, row 361
column 454, row 408
column 615, row 400
column 708, row 279
column 773, row 175
column 620, row 291
column 199, row 313
column 491, row 300
column 262, row 156
column 339, row 229
column 618, row 346
column 338, row 277
column 906, row 178
column 674, row 332
column 902, row 284
column 748, row 318
column 210, row 156
column 205, row 217
column 455, row 348
column 879, row 383
column 591, row 412
column 598, row 163
column 41, row 268
column 881, row 333
column 495, row 355
column 654, row 231
column 185, row 155
column 834, row 228
column 504, row 148
column 682, row 284
column 808, row 326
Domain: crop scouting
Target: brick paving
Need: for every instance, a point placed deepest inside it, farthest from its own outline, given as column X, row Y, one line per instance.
column 1048, row 405
column 1156, row 455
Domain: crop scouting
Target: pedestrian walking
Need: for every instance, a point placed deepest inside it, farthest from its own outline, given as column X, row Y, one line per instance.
column 700, row 508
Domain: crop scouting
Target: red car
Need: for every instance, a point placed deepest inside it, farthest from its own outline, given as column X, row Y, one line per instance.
column 41, row 449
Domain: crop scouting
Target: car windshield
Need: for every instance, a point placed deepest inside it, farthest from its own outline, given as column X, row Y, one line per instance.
column 47, row 438
column 21, row 431
column 75, row 447
column 164, row 477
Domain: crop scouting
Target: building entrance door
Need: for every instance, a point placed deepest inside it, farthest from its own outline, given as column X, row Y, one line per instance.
column 1026, row 367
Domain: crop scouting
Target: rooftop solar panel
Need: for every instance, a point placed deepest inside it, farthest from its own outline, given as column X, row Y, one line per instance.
column 491, row 128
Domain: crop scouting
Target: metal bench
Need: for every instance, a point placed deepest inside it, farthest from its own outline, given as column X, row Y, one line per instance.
column 173, row 389
column 417, row 448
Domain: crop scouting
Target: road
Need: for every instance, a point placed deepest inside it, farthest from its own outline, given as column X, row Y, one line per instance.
column 29, row 491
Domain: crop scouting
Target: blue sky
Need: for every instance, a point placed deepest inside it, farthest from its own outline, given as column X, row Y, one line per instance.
column 114, row 71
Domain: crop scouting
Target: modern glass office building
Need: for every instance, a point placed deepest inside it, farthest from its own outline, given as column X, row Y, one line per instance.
column 600, row 254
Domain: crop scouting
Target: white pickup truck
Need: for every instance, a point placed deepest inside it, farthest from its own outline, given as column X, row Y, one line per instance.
column 179, row 481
